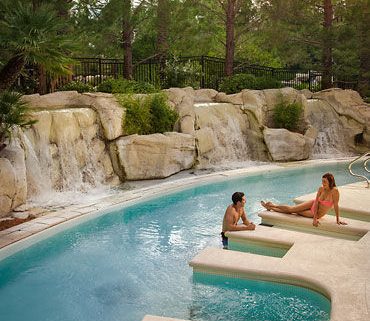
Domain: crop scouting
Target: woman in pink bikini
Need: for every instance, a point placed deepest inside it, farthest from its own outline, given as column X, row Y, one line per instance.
column 327, row 197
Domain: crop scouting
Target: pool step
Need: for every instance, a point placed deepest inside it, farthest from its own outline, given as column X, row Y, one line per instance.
column 309, row 263
column 354, row 201
column 354, row 231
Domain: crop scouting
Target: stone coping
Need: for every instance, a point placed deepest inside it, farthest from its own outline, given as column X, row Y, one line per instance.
column 335, row 263
column 24, row 235
column 354, row 201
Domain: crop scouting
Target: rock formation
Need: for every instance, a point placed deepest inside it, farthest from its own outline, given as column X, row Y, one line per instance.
column 79, row 140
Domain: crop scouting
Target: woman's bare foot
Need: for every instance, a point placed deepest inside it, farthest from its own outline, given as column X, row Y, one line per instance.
column 266, row 205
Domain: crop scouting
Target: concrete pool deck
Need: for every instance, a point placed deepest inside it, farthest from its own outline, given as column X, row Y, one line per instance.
column 331, row 259
column 336, row 266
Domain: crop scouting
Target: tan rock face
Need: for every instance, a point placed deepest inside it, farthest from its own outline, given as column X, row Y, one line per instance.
column 225, row 134
column 57, row 100
column 69, row 145
column 182, row 101
column 7, row 186
column 65, row 149
column 13, row 190
column 152, row 156
column 205, row 95
column 111, row 114
column 285, row 145
column 288, row 95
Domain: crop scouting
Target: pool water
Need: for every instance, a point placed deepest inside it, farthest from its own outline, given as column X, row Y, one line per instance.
column 260, row 248
column 267, row 300
column 134, row 261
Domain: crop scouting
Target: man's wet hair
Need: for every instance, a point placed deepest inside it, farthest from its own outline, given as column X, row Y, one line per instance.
column 237, row 197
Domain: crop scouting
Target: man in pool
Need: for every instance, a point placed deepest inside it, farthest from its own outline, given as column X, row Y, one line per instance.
column 234, row 212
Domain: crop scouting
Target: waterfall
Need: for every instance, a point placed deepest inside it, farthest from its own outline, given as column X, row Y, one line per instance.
column 225, row 128
column 329, row 144
column 64, row 157
column 331, row 140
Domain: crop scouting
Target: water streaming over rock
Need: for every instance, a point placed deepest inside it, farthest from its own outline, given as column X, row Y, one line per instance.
column 65, row 155
column 223, row 135
column 332, row 139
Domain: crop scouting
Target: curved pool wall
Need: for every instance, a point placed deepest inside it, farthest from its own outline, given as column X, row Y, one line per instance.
column 254, row 305
column 147, row 193
column 110, row 287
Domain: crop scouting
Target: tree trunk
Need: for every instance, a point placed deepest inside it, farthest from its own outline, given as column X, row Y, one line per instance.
column 230, row 37
column 11, row 71
column 127, row 35
column 42, row 80
column 364, row 72
column 163, row 20
column 327, row 56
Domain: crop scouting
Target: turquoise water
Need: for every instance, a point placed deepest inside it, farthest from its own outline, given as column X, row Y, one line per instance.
column 259, row 248
column 134, row 261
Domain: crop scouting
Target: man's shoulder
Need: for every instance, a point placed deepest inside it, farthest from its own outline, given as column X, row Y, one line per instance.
column 230, row 208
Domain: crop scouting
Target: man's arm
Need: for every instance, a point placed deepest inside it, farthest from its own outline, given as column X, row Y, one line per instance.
column 244, row 218
column 231, row 225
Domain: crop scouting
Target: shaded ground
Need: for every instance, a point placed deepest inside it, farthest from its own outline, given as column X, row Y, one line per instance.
column 7, row 223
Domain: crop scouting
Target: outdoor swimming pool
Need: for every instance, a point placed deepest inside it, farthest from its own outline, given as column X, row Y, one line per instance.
column 134, row 261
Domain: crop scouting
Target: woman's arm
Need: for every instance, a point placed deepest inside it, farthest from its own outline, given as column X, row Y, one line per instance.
column 336, row 206
column 315, row 206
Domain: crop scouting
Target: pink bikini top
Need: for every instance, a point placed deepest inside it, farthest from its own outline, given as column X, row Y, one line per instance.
column 326, row 203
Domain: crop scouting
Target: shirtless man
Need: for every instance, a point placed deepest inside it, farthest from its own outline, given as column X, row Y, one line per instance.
column 232, row 215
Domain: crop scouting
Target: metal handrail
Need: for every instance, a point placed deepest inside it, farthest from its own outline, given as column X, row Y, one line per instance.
column 365, row 165
column 365, row 162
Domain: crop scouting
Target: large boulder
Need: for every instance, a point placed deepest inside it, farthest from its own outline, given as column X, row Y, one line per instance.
column 205, row 95
column 346, row 103
column 13, row 177
column 182, row 100
column 354, row 115
column 284, row 145
column 138, row 157
column 110, row 112
column 57, row 100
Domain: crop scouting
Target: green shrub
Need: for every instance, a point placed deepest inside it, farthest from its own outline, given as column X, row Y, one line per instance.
column 124, row 86
column 267, row 83
column 147, row 115
column 286, row 115
column 79, row 86
column 138, row 118
column 105, row 86
column 163, row 117
column 181, row 73
column 13, row 112
column 238, row 82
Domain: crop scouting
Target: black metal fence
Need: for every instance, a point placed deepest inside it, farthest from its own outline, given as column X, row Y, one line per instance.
column 195, row 71
column 198, row 72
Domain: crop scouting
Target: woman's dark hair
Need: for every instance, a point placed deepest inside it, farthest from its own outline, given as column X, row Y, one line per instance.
column 330, row 179
column 237, row 197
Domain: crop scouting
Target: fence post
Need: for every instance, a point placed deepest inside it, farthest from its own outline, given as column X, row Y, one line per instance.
column 309, row 80
column 99, row 61
column 202, row 76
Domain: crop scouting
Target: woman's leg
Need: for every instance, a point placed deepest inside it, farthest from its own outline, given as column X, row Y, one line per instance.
column 301, row 209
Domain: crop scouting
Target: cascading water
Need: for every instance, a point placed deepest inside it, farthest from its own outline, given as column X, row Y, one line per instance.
column 64, row 158
column 331, row 140
column 226, row 131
